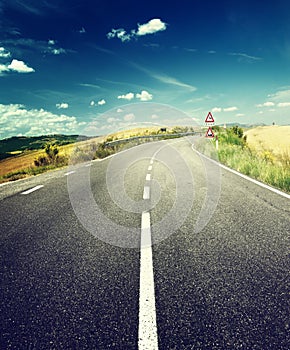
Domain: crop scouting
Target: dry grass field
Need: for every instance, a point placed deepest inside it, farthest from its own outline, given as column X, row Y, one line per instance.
column 274, row 138
column 25, row 160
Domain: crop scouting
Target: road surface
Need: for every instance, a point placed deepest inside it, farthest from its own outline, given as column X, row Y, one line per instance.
column 73, row 275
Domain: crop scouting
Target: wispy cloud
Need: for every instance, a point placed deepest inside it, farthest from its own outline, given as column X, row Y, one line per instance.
column 242, row 57
column 280, row 95
column 93, row 86
column 172, row 81
column 190, row 50
column 283, row 104
column 4, row 53
column 20, row 45
column 38, row 8
column 153, row 26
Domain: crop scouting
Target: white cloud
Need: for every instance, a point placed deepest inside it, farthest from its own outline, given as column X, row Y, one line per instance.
column 154, row 116
column 230, row 109
column 129, row 117
column 153, row 26
column 144, row 96
column 216, row 110
column 211, row 52
column 62, row 105
column 129, row 96
column 16, row 119
column 4, row 53
column 284, row 104
column 240, row 115
column 92, row 103
column 51, row 42
column 119, row 110
column 20, row 67
column 266, row 104
column 101, row 102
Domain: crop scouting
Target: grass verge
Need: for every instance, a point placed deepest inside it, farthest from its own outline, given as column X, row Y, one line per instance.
column 264, row 165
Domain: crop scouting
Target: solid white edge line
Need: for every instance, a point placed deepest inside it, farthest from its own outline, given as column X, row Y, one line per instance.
column 146, row 193
column 32, row 189
column 261, row 184
column 147, row 329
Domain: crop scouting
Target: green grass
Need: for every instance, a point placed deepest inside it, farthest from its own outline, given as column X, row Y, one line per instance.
column 264, row 166
column 252, row 164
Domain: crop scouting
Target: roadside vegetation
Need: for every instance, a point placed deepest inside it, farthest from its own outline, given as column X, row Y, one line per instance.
column 263, row 164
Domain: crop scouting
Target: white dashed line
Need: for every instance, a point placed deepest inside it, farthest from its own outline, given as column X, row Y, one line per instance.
column 148, row 177
column 32, row 189
column 146, row 193
column 69, row 173
column 147, row 331
column 150, row 168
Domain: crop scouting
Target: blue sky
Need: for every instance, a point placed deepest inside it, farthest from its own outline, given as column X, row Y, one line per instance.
column 93, row 67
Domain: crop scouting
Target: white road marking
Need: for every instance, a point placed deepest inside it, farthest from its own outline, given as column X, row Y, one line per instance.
column 146, row 193
column 32, row 189
column 261, row 184
column 152, row 161
column 69, row 173
column 150, row 168
column 148, row 177
column 147, row 331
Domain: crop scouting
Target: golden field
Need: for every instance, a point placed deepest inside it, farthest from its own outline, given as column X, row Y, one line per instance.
column 274, row 139
column 26, row 159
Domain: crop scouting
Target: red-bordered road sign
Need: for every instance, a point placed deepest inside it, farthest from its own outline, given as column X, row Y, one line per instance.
column 209, row 133
column 209, row 118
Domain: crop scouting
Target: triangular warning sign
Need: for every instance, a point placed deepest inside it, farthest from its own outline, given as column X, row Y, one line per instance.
column 209, row 133
column 209, row 118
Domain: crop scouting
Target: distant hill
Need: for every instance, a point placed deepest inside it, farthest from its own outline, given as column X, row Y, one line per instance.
column 229, row 125
column 15, row 144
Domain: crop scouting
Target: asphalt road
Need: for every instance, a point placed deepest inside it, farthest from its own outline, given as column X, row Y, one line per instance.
column 71, row 258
